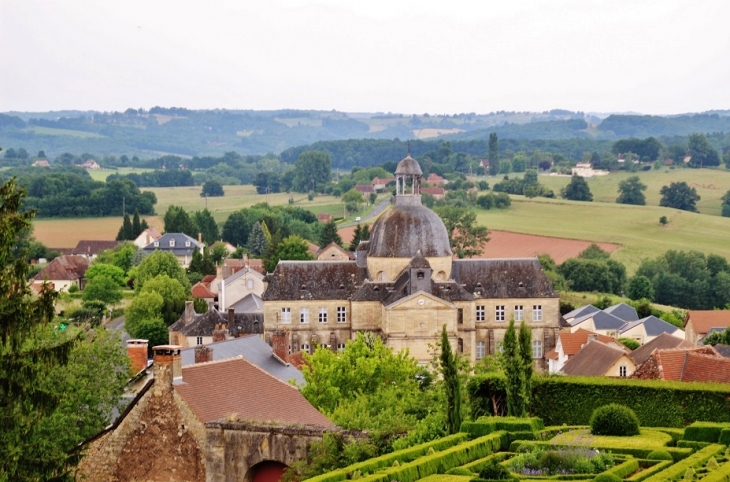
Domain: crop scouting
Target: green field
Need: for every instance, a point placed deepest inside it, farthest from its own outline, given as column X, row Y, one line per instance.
column 635, row 228
column 50, row 131
column 238, row 197
column 711, row 185
column 102, row 174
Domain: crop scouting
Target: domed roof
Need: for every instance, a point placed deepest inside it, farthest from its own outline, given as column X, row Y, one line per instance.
column 408, row 167
column 407, row 228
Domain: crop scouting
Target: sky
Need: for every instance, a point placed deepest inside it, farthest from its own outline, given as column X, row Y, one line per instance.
column 439, row 57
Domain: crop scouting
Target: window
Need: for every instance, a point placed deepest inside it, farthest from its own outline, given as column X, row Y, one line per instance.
column 460, row 316
column 460, row 345
column 481, row 313
column 305, row 348
column 187, row 244
column 323, row 314
column 249, row 284
column 304, row 315
column 536, row 313
column 157, row 244
column 481, row 350
column 341, row 314
column 499, row 313
column 286, row 315
column 537, row 349
column 199, row 340
column 340, row 346
column 172, row 243
column 622, row 371
column 519, row 312
column 419, row 276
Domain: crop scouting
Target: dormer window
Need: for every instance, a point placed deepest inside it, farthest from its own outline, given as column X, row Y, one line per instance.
column 157, row 244
column 521, row 284
column 420, row 275
column 187, row 244
column 172, row 243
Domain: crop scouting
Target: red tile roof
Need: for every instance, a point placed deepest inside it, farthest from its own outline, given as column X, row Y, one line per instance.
column 433, row 191
column 208, row 279
column 593, row 360
column 91, row 247
column 234, row 387
column 573, row 342
column 696, row 365
column 66, row 268
column 201, row 291
column 365, row 188
column 703, row 320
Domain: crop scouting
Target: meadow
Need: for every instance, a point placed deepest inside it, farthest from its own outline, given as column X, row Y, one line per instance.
column 102, row 174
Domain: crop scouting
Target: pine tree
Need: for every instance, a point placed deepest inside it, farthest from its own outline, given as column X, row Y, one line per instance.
column 136, row 225
column 257, row 240
column 125, row 232
column 196, row 262
column 356, row 237
column 493, row 154
column 365, row 232
column 329, row 235
column 23, row 318
column 452, row 384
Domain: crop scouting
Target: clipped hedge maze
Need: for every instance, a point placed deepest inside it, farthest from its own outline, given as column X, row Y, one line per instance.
column 699, row 452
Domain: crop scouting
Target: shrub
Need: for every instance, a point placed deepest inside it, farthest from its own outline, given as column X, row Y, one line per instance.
column 614, row 419
column 494, row 471
column 607, row 478
column 659, row 455
column 703, row 432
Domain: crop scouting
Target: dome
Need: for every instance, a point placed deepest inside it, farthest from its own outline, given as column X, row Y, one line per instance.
column 408, row 167
column 407, row 228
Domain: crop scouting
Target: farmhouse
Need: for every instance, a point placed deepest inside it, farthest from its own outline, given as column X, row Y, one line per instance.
column 569, row 344
column 63, row 272
column 405, row 285
column 91, row 248
column 179, row 244
column 598, row 359
column 698, row 323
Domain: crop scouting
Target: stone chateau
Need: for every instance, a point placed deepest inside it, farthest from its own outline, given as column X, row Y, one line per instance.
column 405, row 284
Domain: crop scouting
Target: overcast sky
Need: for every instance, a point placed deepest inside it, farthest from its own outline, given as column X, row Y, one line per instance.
column 447, row 56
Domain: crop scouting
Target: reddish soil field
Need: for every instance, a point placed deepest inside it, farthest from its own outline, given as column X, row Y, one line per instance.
column 504, row 244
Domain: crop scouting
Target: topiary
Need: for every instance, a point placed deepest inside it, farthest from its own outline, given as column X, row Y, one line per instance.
column 614, row 419
column 659, row 455
column 607, row 478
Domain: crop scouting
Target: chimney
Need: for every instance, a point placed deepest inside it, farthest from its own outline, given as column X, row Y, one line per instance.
column 231, row 317
column 137, row 353
column 200, row 238
column 189, row 313
column 280, row 344
column 592, row 337
column 203, row 354
column 219, row 333
column 167, row 364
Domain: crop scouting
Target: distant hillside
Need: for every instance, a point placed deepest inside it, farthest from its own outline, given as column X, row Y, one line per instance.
column 159, row 131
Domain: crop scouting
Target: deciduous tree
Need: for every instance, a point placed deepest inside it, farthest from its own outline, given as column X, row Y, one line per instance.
column 311, row 168
column 577, row 190
column 631, row 191
column 679, row 195
column 467, row 239
column 212, row 188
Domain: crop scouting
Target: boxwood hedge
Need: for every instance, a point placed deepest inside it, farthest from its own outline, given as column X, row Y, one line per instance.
column 571, row 400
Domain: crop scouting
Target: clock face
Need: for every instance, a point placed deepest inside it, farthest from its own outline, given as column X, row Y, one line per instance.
column 421, row 301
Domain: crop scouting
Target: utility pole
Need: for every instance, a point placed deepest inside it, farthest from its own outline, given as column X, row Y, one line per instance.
column 206, row 201
column 124, row 206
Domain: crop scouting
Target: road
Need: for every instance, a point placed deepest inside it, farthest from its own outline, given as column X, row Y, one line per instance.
column 374, row 213
column 117, row 324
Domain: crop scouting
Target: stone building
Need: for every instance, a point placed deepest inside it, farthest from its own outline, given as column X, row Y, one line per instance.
column 405, row 284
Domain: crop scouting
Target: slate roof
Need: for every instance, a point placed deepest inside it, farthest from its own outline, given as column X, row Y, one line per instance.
column 623, row 311
column 573, row 342
column 204, row 324
column 235, row 387
column 408, row 167
column 601, row 321
column 406, row 228
column 254, row 350
column 179, row 248
column 723, row 350
column 502, row 278
column 704, row 320
column 593, row 360
column 64, row 268
column 92, row 247
column 313, row 280
column 582, row 311
column 652, row 325
column 350, row 255
column 661, row 342
column 251, row 303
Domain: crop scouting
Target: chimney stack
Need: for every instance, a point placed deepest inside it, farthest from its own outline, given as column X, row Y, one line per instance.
column 219, row 333
column 200, row 238
column 167, row 364
column 137, row 353
column 231, row 317
column 189, row 313
column 280, row 344
column 203, row 354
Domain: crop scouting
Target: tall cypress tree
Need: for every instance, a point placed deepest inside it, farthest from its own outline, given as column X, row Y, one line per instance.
column 452, row 384
column 136, row 225
column 524, row 337
column 356, row 237
column 512, row 365
column 493, row 154
column 257, row 240
column 125, row 232
column 329, row 235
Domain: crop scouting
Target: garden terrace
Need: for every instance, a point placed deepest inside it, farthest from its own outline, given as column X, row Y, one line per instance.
column 524, row 449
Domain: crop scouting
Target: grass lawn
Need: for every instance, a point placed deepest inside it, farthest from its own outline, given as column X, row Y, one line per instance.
column 635, row 228
column 647, row 439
